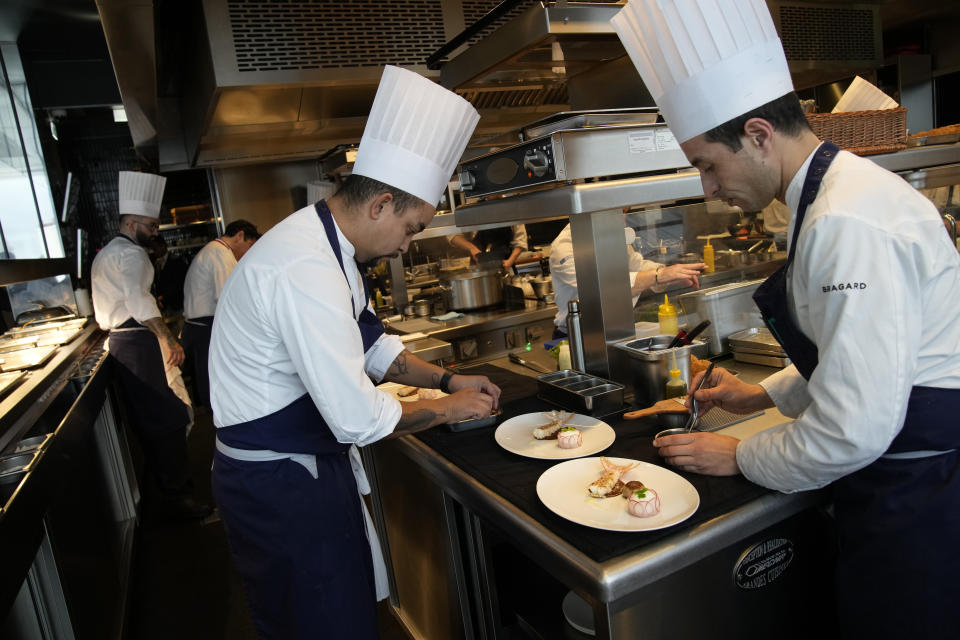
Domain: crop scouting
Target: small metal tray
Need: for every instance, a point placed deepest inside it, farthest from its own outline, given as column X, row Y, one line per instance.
column 467, row 425
column 770, row 361
column 26, row 358
column 13, row 468
column 937, row 138
column 756, row 340
column 580, row 392
column 32, row 444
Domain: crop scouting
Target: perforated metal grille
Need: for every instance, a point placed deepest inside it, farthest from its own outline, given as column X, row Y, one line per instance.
column 289, row 35
column 827, row 33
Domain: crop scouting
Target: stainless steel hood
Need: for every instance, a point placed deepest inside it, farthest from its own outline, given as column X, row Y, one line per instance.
column 234, row 82
column 550, row 47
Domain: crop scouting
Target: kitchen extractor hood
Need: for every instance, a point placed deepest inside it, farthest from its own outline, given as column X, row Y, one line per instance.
column 552, row 46
column 233, row 82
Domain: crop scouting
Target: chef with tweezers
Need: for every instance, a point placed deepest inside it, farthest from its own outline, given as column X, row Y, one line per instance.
column 865, row 307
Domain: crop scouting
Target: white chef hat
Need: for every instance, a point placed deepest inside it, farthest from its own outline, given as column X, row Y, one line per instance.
column 704, row 61
column 140, row 194
column 415, row 134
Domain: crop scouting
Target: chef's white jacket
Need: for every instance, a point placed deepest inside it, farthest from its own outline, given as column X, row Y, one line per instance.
column 875, row 285
column 205, row 279
column 121, row 276
column 564, row 273
column 285, row 327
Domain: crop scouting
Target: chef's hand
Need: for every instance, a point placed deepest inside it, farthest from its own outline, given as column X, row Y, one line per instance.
column 478, row 383
column 468, row 404
column 686, row 275
column 475, row 255
column 177, row 355
column 711, row 454
column 730, row 393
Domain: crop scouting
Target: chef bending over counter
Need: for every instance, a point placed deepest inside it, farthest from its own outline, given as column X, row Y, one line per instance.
column 295, row 345
column 865, row 307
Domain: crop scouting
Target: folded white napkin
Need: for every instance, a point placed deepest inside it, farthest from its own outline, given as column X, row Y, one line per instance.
column 450, row 315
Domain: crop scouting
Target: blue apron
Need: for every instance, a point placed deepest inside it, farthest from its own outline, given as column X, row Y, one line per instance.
column 898, row 519
column 160, row 418
column 298, row 540
column 195, row 338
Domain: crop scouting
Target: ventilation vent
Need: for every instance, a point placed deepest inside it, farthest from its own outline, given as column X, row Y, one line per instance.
column 515, row 97
column 285, row 35
column 828, row 33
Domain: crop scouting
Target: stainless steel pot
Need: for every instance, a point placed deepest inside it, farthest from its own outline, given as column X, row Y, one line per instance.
column 471, row 289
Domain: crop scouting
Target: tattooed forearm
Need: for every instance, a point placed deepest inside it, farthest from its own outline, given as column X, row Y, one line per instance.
column 418, row 420
column 435, row 380
column 399, row 366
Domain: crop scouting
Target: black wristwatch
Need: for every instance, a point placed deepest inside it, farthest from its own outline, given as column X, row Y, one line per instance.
column 445, row 381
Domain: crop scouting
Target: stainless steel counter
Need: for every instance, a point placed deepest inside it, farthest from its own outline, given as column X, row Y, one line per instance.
column 612, row 587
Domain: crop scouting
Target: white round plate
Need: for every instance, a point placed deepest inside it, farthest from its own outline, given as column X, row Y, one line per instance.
column 393, row 387
column 563, row 489
column 516, row 435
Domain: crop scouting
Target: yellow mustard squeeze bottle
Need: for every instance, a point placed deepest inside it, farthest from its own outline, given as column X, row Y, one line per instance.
column 667, row 315
column 676, row 387
column 708, row 257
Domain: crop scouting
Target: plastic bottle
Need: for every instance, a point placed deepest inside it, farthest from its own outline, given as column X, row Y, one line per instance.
column 676, row 387
column 708, row 257
column 563, row 359
column 667, row 315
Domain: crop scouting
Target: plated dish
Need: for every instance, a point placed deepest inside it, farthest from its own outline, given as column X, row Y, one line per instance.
column 517, row 436
column 563, row 488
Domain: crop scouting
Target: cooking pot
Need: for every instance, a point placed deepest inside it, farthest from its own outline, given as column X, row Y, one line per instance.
column 471, row 289
column 542, row 286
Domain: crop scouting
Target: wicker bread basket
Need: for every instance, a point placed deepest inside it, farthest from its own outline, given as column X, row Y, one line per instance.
column 863, row 132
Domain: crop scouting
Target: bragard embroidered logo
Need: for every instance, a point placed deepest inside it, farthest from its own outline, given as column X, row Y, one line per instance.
column 827, row 288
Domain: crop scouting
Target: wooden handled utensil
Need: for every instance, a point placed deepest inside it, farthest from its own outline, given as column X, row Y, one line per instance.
column 670, row 405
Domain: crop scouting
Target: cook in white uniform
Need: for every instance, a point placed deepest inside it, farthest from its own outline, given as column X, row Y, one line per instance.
column 295, row 346
column 644, row 274
column 504, row 244
column 121, row 276
column 201, row 289
column 866, row 308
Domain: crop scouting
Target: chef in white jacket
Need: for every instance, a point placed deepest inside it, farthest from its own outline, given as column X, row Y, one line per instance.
column 866, row 308
column 121, row 276
column 201, row 289
column 294, row 351
column 644, row 274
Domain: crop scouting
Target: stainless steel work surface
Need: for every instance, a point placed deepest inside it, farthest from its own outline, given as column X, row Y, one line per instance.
column 500, row 487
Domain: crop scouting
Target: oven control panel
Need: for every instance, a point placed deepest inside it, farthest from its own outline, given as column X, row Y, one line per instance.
column 523, row 165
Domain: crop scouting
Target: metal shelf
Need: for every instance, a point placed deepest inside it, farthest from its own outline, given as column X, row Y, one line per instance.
column 170, row 227
column 14, row 271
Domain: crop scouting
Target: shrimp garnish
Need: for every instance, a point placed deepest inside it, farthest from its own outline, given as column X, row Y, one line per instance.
column 557, row 420
column 611, row 475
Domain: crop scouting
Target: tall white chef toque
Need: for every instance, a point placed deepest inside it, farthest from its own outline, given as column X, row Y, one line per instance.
column 415, row 134
column 704, row 61
column 140, row 194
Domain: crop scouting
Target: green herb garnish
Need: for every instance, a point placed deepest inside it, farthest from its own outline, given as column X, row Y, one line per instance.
column 640, row 493
column 568, row 429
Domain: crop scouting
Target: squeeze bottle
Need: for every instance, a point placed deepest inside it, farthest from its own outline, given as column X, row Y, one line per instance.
column 708, row 257
column 563, row 359
column 676, row 387
column 667, row 315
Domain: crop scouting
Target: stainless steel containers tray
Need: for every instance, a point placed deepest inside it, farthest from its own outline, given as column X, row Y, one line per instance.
column 770, row 361
column 754, row 340
column 32, row 444
column 13, row 468
column 651, row 361
column 580, row 392
column 25, row 358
